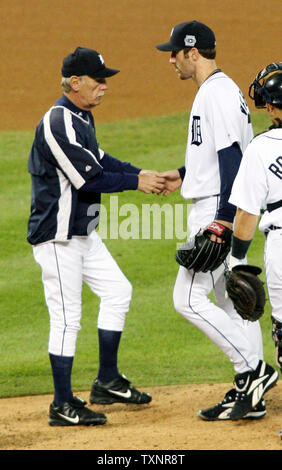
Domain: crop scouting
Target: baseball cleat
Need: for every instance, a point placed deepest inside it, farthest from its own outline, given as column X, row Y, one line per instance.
column 251, row 387
column 118, row 390
column 222, row 410
column 74, row 413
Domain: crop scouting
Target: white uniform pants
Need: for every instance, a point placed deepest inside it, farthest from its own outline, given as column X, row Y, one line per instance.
column 65, row 266
column 273, row 271
column 239, row 339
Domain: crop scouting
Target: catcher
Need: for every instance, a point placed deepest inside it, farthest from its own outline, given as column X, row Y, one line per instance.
column 263, row 159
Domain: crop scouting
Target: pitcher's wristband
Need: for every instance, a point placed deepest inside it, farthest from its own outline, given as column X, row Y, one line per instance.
column 239, row 247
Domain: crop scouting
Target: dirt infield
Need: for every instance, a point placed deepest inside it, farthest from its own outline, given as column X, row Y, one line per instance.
column 170, row 422
column 35, row 35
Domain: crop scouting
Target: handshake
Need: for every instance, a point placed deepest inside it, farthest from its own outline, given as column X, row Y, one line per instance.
column 150, row 181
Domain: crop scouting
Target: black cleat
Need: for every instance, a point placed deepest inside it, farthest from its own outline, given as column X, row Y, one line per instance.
column 118, row 390
column 222, row 410
column 251, row 387
column 74, row 413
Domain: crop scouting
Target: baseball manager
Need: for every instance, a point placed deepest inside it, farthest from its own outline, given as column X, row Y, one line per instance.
column 69, row 171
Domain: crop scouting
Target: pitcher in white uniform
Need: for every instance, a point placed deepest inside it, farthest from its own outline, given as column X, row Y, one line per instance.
column 219, row 131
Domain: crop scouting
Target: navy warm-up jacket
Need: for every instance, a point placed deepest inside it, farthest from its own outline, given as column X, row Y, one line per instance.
column 69, row 172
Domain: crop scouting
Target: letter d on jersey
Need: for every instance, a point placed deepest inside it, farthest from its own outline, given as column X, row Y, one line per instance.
column 196, row 131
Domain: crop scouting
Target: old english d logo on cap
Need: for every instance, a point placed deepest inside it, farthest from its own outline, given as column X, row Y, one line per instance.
column 85, row 61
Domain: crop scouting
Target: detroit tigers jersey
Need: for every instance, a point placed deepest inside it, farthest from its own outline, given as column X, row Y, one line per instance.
column 219, row 117
column 259, row 179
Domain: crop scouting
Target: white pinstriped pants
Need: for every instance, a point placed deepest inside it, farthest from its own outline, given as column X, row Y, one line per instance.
column 239, row 339
column 65, row 266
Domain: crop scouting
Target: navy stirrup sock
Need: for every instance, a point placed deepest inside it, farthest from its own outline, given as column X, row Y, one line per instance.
column 61, row 370
column 108, row 351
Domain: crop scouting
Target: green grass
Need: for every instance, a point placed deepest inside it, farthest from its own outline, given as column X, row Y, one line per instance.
column 158, row 346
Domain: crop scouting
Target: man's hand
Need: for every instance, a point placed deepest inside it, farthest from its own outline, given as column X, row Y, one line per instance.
column 173, row 181
column 213, row 237
column 150, row 181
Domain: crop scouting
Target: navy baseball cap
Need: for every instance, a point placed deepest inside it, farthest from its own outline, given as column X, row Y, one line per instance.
column 189, row 34
column 84, row 61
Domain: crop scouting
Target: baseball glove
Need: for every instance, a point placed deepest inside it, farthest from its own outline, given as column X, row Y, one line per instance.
column 246, row 291
column 200, row 253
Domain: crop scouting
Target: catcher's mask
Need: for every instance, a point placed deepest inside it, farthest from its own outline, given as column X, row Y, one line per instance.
column 267, row 90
